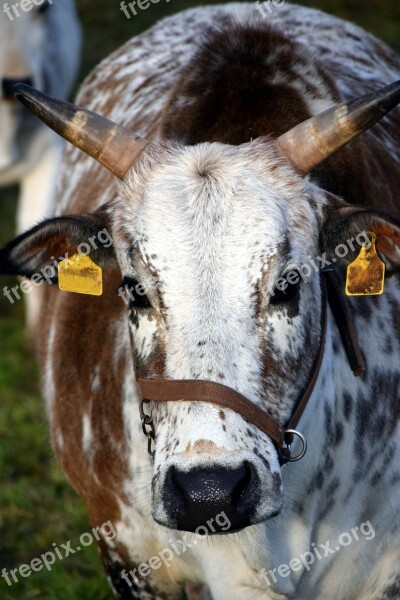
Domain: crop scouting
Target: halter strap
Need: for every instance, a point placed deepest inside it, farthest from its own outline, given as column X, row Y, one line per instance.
column 171, row 390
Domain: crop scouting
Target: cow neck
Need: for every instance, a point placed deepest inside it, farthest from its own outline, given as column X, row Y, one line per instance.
column 174, row 390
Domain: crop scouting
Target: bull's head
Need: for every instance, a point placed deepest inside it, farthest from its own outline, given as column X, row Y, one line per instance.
column 204, row 237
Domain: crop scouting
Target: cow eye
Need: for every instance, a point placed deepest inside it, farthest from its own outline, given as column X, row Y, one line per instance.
column 135, row 293
column 287, row 289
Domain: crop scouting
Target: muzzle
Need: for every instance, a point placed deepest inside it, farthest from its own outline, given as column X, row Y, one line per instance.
column 171, row 390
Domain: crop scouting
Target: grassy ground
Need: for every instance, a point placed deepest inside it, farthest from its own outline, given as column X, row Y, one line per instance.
column 37, row 506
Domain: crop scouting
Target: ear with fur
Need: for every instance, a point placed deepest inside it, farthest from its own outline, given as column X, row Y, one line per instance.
column 347, row 227
column 39, row 249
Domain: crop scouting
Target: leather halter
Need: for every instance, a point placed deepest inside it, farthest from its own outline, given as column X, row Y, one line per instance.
column 170, row 390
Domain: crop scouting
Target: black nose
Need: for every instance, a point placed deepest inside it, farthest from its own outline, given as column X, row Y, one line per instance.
column 197, row 496
column 7, row 86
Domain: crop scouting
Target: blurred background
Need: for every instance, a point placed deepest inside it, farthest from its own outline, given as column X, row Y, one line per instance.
column 37, row 505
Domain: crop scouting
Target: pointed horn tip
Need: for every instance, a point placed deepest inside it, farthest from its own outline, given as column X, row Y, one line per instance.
column 22, row 90
column 28, row 96
column 107, row 143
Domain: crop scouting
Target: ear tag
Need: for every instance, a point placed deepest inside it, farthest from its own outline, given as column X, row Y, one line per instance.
column 79, row 274
column 366, row 274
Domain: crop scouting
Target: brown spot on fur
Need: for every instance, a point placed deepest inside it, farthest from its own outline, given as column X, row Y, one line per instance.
column 79, row 345
column 206, row 447
column 232, row 70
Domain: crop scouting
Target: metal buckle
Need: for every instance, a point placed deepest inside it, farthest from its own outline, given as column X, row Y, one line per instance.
column 286, row 451
column 148, row 427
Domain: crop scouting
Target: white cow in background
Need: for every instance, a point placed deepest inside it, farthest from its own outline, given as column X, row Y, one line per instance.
column 41, row 46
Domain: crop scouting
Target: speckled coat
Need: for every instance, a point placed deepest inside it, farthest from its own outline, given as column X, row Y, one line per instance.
column 207, row 220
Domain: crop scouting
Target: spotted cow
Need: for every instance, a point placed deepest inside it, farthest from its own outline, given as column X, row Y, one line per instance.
column 253, row 167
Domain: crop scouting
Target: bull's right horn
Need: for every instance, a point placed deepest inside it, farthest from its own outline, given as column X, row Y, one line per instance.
column 310, row 143
column 113, row 146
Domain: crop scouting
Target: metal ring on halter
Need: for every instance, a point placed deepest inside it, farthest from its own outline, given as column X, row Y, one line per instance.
column 148, row 427
column 150, row 440
column 286, row 451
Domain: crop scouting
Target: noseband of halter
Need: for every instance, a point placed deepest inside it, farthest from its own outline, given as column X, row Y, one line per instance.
column 171, row 390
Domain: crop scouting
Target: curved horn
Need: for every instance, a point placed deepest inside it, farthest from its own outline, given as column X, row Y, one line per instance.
column 313, row 141
column 113, row 146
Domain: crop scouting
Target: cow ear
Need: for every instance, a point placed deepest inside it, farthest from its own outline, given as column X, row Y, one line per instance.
column 347, row 228
column 48, row 243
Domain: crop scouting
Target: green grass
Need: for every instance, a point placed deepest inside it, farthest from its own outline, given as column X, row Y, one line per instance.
column 37, row 505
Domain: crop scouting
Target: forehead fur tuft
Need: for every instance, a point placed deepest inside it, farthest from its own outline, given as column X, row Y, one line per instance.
column 217, row 162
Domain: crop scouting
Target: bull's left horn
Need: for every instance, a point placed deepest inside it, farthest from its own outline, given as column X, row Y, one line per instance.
column 113, row 146
column 313, row 141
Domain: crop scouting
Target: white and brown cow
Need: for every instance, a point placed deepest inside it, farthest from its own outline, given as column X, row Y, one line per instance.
column 226, row 198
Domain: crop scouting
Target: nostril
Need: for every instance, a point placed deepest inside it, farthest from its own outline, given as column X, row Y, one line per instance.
column 194, row 497
column 173, row 495
column 7, row 86
column 246, row 490
column 205, row 493
column 212, row 486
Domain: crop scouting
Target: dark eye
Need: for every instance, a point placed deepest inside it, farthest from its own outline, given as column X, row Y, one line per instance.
column 287, row 289
column 44, row 7
column 133, row 293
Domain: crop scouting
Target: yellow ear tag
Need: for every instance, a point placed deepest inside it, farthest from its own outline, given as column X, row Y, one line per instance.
column 366, row 274
column 79, row 274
